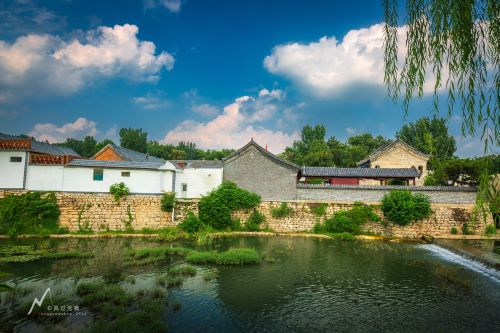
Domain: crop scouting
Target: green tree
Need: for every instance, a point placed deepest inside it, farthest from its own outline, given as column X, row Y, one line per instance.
column 458, row 37
column 102, row 144
column 430, row 136
column 311, row 149
column 135, row 139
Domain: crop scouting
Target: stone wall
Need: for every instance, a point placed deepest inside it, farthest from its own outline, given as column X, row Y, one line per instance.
column 101, row 212
column 346, row 193
column 443, row 218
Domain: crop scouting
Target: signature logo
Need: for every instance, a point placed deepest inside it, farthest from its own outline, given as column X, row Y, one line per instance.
column 38, row 302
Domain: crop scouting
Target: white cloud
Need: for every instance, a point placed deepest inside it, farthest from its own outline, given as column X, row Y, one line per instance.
column 205, row 109
column 173, row 6
column 151, row 102
column 46, row 64
column 328, row 67
column 238, row 123
column 473, row 147
column 51, row 133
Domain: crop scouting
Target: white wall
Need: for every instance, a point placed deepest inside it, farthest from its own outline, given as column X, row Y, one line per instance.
column 199, row 181
column 45, row 177
column 79, row 179
column 12, row 173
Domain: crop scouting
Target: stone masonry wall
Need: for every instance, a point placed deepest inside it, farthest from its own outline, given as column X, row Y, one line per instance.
column 101, row 212
column 443, row 218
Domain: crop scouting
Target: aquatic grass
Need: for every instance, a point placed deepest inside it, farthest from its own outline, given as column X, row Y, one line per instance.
column 345, row 236
column 97, row 294
column 166, row 280
column 184, row 270
column 202, row 257
column 238, row 257
column 66, row 255
column 210, row 275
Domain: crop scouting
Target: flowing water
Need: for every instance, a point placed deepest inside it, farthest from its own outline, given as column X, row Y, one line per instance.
column 304, row 285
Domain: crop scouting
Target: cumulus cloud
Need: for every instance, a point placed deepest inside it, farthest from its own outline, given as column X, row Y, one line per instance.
column 51, row 133
column 173, row 6
column 238, row 123
column 46, row 64
column 328, row 67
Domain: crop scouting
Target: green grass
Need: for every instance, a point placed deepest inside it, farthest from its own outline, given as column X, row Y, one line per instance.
column 202, row 257
column 238, row 257
column 184, row 270
column 342, row 235
column 166, row 280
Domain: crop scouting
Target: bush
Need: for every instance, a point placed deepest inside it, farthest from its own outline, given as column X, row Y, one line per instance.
column 254, row 221
column 319, row 209
column 29, row 213
column 402, row 207
column 343, row 236
column 215, row 208
column 282, row 211
column 466, row 230
column 315, row 181
column 168, row 202
column 119, row 190
column 191, row 223
column 491, row 229
column 350, row 221
column 454, row 231
column 399, row 182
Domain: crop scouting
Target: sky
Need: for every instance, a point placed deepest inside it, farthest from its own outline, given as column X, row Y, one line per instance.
column 213, row 72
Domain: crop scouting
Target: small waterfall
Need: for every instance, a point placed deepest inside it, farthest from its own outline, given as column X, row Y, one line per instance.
column 466, row 262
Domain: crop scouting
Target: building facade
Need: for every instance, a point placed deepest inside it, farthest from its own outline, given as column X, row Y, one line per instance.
column 255, row 169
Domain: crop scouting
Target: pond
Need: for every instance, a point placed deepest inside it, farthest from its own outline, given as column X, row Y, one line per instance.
column 302, row 285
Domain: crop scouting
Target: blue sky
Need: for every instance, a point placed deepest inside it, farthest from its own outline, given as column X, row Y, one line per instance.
column 212, row 72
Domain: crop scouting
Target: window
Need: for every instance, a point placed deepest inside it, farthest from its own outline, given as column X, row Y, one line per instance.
column 184, row 187
column 420, row 169
column 125, row 173
column 16, row 159
column 376, row 166
column 98, row 174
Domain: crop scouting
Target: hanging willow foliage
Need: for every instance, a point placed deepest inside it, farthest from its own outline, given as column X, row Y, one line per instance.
column 459, row 42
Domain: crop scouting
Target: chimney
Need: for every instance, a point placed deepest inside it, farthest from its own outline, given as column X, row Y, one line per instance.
column 266, row 146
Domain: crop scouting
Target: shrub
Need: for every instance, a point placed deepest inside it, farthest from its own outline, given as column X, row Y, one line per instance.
column 343, row 236
column 318, row 228
column 396, row 182
column 254, row 221
column 466, row 230
column 350, row 221
column 454, row 231
column 402, row 207
column 119, row 190
column 191, row 223
column 315, row 181
column 168, row 202
column 282, row 211
column 215, row 208
column 491, row 229
column 320, row 209
column 29, row 213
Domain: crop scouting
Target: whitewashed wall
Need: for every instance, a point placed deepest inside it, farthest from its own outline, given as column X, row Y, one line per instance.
column 12, row 173
column 79, row 179
column 199, row 181
column 45, row 177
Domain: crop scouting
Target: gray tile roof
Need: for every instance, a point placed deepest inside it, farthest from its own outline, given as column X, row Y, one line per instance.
column 42, row 147
column 134, row 156
column 116, row 164
column 360, row 172
column 197, row 164
column 389, row 187
column 265, row 152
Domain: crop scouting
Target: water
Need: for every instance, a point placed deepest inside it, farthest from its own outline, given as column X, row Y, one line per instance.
column 311, row 285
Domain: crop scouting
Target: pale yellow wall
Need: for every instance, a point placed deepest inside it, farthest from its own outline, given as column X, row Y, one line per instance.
column 399, row 156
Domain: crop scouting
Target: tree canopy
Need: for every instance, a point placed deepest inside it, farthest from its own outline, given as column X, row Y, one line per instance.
column 135, row 139
column 456, row 43
column 430, row 136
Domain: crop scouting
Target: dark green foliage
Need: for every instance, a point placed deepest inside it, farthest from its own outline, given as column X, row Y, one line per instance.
column 396, row 182
column 454, row 231
column 87, row 147
column 429, row 136
column 466, row 230
column 402, row 207
column 29, row 213
column 491, row 229
column 315, row 181
column 348, row 221
column 319, row 209
column 184, row 270
column 168, row 202
column 343, row 236
column 466, row 171
column 238, row 257
column 119, row 190
column 135, row 139
column 215, row 208
column 282, row 211
column 254, row 221
column 191, row 223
